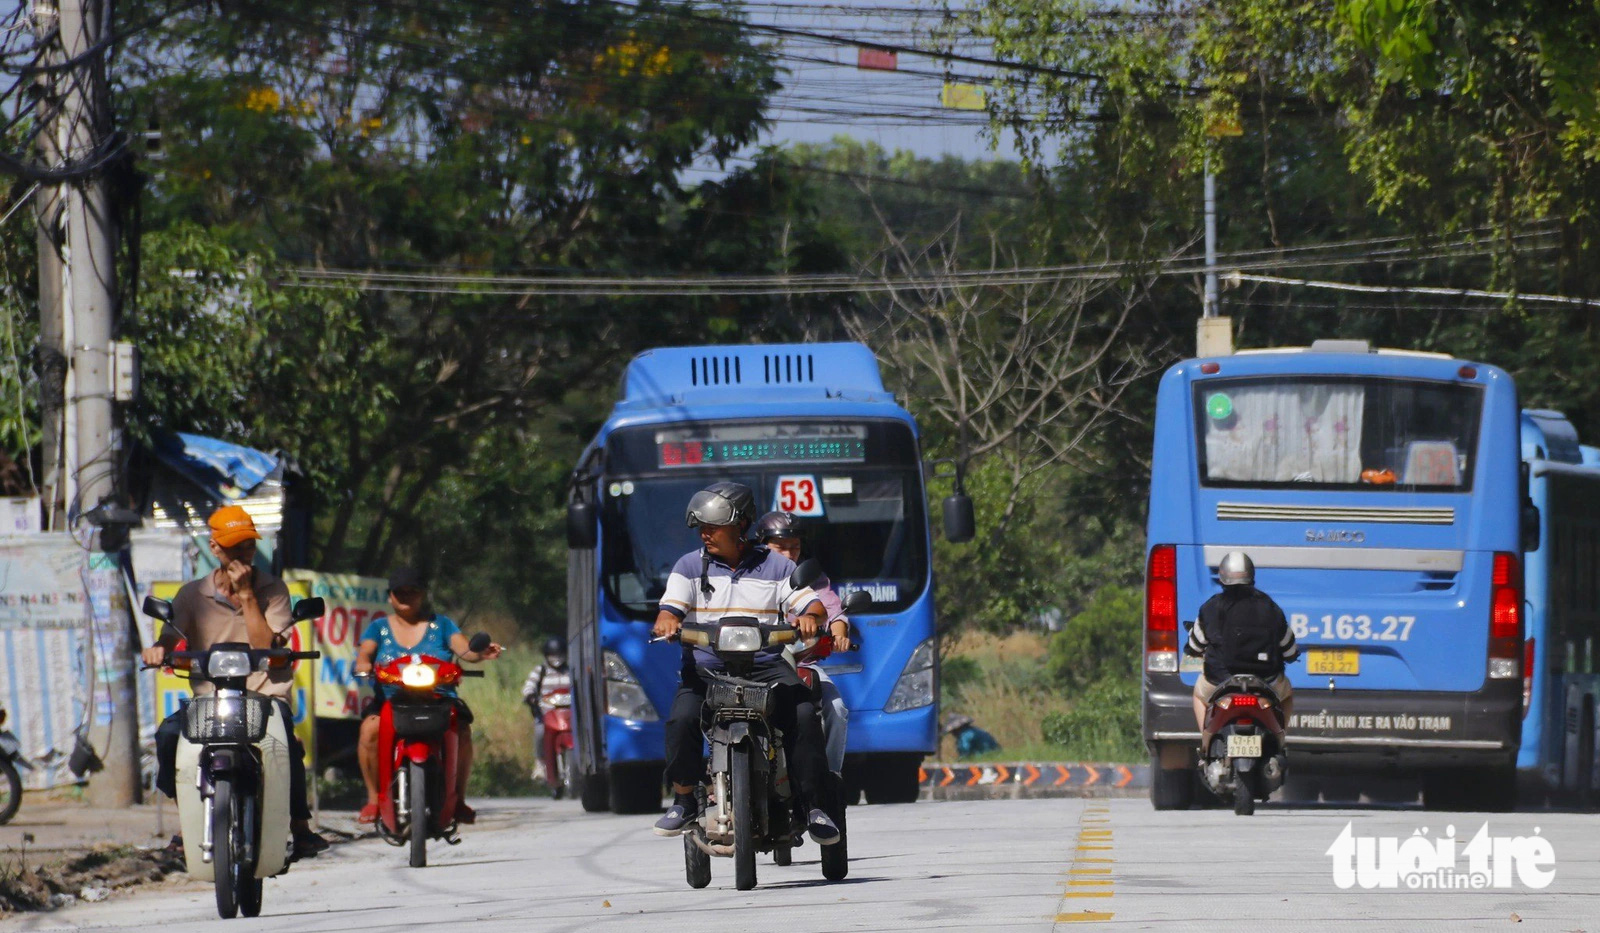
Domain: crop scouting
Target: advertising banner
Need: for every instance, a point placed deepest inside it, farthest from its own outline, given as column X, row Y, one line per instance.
column 44, row 651
column 353, row 601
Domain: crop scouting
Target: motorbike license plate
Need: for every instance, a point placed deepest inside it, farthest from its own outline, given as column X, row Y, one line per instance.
column 1244, row 746
column 1335, row 661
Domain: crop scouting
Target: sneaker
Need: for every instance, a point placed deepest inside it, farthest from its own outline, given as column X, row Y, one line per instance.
column 823, row 831
column 308, row 844
column 465, row 814
column 677, row 818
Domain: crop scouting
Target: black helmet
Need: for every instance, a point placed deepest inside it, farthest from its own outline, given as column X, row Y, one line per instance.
column 555, row 652
column 721, row 504
column 777, row 525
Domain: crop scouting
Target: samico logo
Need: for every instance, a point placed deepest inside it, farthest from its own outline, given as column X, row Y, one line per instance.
column 1335, row 536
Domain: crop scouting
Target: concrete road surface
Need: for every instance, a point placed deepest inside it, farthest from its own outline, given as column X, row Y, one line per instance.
column 543, row 867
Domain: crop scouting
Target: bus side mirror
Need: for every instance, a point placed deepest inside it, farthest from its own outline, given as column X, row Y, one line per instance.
column 310, row 608
column 1530, row 527
column 806, row 574
column 581, row 532
column 960, row 524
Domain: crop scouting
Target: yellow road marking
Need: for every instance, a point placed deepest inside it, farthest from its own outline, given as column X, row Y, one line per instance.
column 1094, row 848
column 1091, row 883
column 1092, row 859
column 1087, row 916
column 1088, row 894
column 1089, row 871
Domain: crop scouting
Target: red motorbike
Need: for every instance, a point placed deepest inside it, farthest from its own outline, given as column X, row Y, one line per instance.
column 417, row 740
column 557, row 750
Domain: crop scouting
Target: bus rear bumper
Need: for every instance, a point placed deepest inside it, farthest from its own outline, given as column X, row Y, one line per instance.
column 1413, row 729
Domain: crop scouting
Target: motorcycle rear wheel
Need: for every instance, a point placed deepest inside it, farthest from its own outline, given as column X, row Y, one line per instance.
column 744, row 818
column 1244, row 791
column 223, row 866
column 835, row 858
column 696, row 864
column 10, row 791
column 417, row 779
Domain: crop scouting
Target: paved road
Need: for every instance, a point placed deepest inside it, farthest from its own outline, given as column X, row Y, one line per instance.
column 1030, row 865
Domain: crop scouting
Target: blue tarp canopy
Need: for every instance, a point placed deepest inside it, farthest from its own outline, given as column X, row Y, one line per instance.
column 227, row 470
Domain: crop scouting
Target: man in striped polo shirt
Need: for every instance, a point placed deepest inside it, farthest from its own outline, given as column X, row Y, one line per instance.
column 733, row 576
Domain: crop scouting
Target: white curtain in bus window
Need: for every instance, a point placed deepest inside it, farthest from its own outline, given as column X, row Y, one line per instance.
column 1284, row 432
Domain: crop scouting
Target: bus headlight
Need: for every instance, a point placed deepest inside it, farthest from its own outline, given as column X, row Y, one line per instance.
column 914, row 689
column 625, row 698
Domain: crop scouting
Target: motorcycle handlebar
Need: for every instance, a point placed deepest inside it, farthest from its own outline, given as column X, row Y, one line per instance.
column 466, row 673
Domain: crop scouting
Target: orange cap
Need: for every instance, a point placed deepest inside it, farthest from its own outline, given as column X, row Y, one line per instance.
column 230, row 525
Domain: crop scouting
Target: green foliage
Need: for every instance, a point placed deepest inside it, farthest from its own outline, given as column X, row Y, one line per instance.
column 1102, row 642
column 1103, row 724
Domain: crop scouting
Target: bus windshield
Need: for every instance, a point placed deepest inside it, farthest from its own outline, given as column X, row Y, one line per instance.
column 1353, row 433
column 869, row 532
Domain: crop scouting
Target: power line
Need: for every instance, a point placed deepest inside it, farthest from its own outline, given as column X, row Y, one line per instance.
column 1412, row 290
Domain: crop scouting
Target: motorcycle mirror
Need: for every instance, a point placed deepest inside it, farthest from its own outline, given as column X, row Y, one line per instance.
column 858, row 601
column 479, row 642
column 809, row 572
column 158, row 609
column 310, row 608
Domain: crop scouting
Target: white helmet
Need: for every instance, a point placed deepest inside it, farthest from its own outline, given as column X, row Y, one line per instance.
column 1236, row 569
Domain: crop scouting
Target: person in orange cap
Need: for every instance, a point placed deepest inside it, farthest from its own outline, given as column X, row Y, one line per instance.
column 237, row 602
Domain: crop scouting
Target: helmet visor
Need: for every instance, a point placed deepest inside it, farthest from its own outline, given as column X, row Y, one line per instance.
column 709, row 508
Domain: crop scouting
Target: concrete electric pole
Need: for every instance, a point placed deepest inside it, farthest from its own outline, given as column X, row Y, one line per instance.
column 90, row 308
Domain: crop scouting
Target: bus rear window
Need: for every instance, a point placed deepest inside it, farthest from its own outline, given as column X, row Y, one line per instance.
column 1353, row 433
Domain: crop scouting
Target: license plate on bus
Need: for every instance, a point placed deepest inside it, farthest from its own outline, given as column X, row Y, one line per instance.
column 1244, row 746
column 1335, row 661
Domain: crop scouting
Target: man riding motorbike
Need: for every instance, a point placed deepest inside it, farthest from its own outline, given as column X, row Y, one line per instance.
column 733, row 576
column 235, row 603
column 410, row 628
column 550, row 676
column 1241, row 630
column 780, row 532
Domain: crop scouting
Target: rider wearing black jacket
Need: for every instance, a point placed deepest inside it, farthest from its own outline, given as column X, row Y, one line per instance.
column 1241, row 630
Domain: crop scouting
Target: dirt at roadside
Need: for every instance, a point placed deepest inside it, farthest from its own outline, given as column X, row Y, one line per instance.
column 45, row 881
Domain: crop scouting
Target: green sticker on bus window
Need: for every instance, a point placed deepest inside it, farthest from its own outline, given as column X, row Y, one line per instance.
column 1219, row 407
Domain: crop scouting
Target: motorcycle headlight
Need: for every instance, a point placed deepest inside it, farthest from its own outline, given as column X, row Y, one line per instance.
column 227, row 664
column 418, row 676
column 739, row 638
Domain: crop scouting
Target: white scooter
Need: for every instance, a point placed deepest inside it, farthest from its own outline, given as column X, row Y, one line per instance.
column 235, row 810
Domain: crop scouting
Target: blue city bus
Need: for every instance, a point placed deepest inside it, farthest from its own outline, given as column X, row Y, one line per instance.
column 811, row 429
column 1381, row 497
column 1557, row 758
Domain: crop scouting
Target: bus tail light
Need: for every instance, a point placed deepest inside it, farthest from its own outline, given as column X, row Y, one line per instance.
column 1161, row 610
column 1527, row 676
column 1505, row 618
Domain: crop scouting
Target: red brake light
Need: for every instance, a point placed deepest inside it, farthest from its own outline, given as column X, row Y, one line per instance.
column 1505, row 619
column 1161, row 609
column 1245, row 699
column 1527, row 676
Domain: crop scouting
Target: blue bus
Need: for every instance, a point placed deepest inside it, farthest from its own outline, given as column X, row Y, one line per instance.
column 1557, row 758
column 811, row 429
column 1381, row 497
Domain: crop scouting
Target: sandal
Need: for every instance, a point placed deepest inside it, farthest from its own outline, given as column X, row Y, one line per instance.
column 368, row 814
column 465, row 814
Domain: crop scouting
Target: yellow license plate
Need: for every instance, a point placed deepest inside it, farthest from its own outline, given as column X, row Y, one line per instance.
column 1338, row 661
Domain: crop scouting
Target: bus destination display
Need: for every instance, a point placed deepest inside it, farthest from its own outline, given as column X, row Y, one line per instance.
column 816, row 449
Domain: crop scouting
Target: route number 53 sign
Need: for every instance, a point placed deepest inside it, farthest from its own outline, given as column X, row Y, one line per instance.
column 798, row 495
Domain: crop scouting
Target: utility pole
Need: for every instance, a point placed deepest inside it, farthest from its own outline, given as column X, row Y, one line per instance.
column 91, row 282
column 1213, row 334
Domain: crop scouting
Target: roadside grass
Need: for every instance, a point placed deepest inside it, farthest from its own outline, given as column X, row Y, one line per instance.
column 502, row 729
column 1003, row 683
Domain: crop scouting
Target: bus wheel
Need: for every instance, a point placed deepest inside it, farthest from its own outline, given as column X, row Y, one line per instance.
column 635, row 788
column 894, row 779
column 1584, row 798
column 595, row 794
column 1170, row 788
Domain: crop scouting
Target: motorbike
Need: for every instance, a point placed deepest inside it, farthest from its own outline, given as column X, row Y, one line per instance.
column 1242, row 754
column 10, row 780
column 417, row 742
column 748, row 804
column 556, row 752
column 235, row 813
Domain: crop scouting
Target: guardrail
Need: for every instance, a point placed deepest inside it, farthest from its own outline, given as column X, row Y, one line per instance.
column 1033, row 779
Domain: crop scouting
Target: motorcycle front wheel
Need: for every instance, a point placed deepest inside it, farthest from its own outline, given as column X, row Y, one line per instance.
column 10, row 790
column 417, row 779
column 224, row 868
column 835, row 858
column 744, row 819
